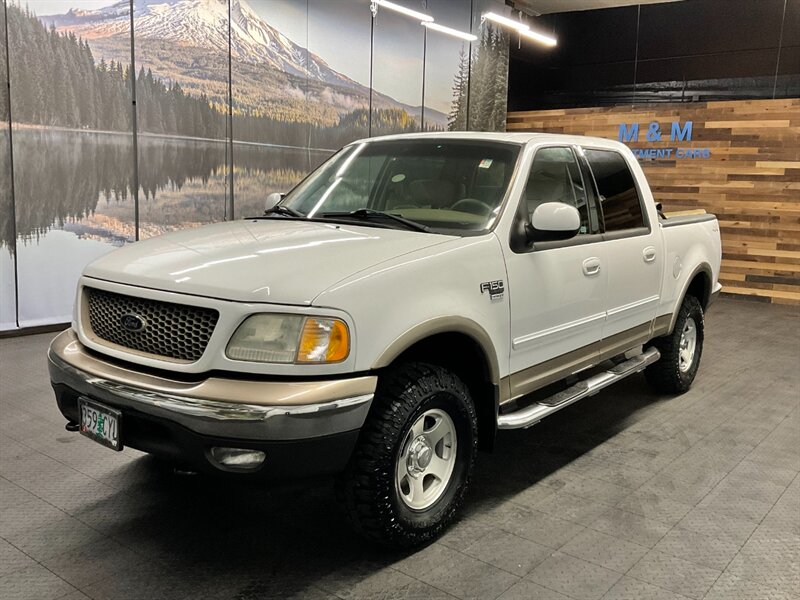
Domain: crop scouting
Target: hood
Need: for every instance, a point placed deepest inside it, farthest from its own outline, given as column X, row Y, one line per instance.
column 269, row 260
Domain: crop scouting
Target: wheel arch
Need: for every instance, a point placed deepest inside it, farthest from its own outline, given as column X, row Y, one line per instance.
column 463, row 347
column 698, row 284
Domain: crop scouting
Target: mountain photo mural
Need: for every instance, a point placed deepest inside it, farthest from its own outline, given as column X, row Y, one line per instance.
column 278, row 82
column 8, row 292
column 300, row 77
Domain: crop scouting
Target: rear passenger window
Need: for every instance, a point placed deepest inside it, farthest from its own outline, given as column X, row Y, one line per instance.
column 556, row 177
column 619, row 199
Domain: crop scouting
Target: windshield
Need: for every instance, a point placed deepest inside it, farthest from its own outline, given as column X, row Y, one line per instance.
column 449, row 186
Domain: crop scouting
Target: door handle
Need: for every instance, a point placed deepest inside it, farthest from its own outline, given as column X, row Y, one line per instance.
column 591, row 266
column 649, row 254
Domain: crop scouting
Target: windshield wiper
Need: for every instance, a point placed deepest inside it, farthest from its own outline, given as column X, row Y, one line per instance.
column 280, row 209
column 367, row 214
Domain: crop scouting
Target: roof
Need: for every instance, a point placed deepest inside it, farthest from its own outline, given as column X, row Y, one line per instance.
column 500, row 136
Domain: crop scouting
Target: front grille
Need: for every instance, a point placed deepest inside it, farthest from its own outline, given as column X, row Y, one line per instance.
column 176, row 331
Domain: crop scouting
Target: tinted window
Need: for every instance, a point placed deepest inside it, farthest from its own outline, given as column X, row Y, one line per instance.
column 618, row 196
column 556, row 177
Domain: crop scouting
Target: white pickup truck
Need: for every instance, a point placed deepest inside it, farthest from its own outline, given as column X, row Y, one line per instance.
column 409, row 298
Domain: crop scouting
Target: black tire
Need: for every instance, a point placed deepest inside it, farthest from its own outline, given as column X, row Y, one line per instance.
column 668, row 375
column 367, row 490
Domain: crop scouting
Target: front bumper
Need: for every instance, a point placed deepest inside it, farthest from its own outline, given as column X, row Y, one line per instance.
column 304, row 428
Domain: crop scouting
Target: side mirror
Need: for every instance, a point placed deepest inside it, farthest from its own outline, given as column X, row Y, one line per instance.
column 273, row 199
column 553, row 221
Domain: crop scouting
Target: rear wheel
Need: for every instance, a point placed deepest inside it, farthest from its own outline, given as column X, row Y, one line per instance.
column 680, row 351
column 411, row 467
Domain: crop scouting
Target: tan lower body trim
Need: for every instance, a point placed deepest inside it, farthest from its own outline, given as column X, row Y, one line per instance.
column 533, row 378
column 624, row 341
column 661, row 325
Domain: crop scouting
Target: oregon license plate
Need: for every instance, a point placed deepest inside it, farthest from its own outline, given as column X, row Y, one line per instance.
column 100, row 423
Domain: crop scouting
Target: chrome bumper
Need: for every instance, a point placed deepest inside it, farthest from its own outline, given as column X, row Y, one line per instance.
column 230, row 408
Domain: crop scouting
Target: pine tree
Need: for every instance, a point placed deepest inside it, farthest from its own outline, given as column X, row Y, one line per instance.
column 457, row 119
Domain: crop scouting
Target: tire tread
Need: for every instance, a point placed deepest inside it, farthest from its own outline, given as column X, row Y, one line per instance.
column 361, row 489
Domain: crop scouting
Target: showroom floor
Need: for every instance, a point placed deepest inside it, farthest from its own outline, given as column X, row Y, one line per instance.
column 626, row 495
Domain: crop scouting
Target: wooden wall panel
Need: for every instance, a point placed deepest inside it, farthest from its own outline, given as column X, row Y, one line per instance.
column 751, row 180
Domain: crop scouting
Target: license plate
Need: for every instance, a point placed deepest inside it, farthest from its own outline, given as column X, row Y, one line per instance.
column 101, row 423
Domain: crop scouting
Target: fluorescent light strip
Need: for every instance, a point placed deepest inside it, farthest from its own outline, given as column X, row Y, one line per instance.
column 403, row 10
column 505, row 21
column 539, row 37
column 450, row 31
column 521, row 28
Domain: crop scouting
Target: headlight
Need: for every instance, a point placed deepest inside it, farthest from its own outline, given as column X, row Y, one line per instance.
column 273, row 338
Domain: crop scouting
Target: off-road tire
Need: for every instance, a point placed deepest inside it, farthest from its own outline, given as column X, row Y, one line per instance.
column 367, row 489
column 665, row 375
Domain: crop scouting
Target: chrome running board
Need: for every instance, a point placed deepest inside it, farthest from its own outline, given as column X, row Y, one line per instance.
column 530, row 415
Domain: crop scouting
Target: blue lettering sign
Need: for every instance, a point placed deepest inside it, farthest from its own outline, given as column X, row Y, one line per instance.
column 679, row 134
column 627, row 134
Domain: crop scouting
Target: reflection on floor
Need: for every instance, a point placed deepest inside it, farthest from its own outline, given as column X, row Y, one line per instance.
column 625, row 495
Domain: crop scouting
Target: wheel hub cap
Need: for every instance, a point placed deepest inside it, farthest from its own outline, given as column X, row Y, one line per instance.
column 426, row 460
column 419, row 456
column 687, row 345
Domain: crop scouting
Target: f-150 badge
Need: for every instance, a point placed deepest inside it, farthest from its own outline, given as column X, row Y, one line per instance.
column 495, row 288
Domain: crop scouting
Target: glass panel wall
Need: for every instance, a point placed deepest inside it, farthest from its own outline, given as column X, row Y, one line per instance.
column 300, row 78
column 72, row 147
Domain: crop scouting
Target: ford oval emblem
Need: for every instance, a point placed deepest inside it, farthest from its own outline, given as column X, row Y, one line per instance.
column 133, row 322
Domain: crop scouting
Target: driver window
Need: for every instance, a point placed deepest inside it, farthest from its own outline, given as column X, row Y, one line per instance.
column 556, row 177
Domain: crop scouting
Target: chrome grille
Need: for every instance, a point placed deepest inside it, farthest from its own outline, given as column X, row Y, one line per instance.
column 176, row 331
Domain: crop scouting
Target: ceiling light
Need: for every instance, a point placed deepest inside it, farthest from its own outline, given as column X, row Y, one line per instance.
column 539, row 37
column 450, row 31
column 402, row 9
column 505, row 21
column 521, row 28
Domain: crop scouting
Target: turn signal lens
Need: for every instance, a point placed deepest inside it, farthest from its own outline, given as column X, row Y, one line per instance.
column 323, row 341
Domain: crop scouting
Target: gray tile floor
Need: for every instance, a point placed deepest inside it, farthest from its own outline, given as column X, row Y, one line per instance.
column 626, row 496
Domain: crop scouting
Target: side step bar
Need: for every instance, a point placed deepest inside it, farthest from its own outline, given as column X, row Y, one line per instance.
column 534, row 413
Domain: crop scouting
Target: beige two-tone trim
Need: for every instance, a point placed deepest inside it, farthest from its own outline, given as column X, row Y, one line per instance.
column 68, row 349
column 661, row 326
column 534, row 378
column 449, row 324
column 624, row 341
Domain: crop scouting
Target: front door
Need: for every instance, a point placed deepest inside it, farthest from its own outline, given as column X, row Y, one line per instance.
column 557, row 289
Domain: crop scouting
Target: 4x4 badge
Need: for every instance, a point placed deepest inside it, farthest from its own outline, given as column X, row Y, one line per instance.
column 495, row 288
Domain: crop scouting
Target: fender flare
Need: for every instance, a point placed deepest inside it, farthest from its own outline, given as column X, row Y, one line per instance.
column 437, row 325
column 701, row 268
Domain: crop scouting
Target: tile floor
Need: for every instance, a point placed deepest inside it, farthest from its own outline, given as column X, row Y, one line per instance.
column 625, row 495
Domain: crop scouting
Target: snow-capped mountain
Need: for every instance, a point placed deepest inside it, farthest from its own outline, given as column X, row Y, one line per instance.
column 204, row 24
column 181, row 30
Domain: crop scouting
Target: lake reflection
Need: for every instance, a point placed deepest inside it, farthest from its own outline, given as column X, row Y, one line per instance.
column 86, row 180
column 74, row 200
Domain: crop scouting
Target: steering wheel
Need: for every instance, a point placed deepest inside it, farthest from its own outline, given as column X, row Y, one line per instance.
column 473, row 206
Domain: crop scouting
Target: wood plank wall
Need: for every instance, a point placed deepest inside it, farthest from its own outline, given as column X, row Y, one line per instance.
column 751, row 180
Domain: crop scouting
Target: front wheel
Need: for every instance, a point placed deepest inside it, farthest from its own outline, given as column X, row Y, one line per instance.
column 680, row 351
column 411, row 467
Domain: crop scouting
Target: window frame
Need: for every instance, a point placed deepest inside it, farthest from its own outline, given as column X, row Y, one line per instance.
column 647, row 229
column 517, row 241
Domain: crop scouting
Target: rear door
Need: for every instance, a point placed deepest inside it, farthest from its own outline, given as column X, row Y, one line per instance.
column 557, row 289
column 634, row 260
